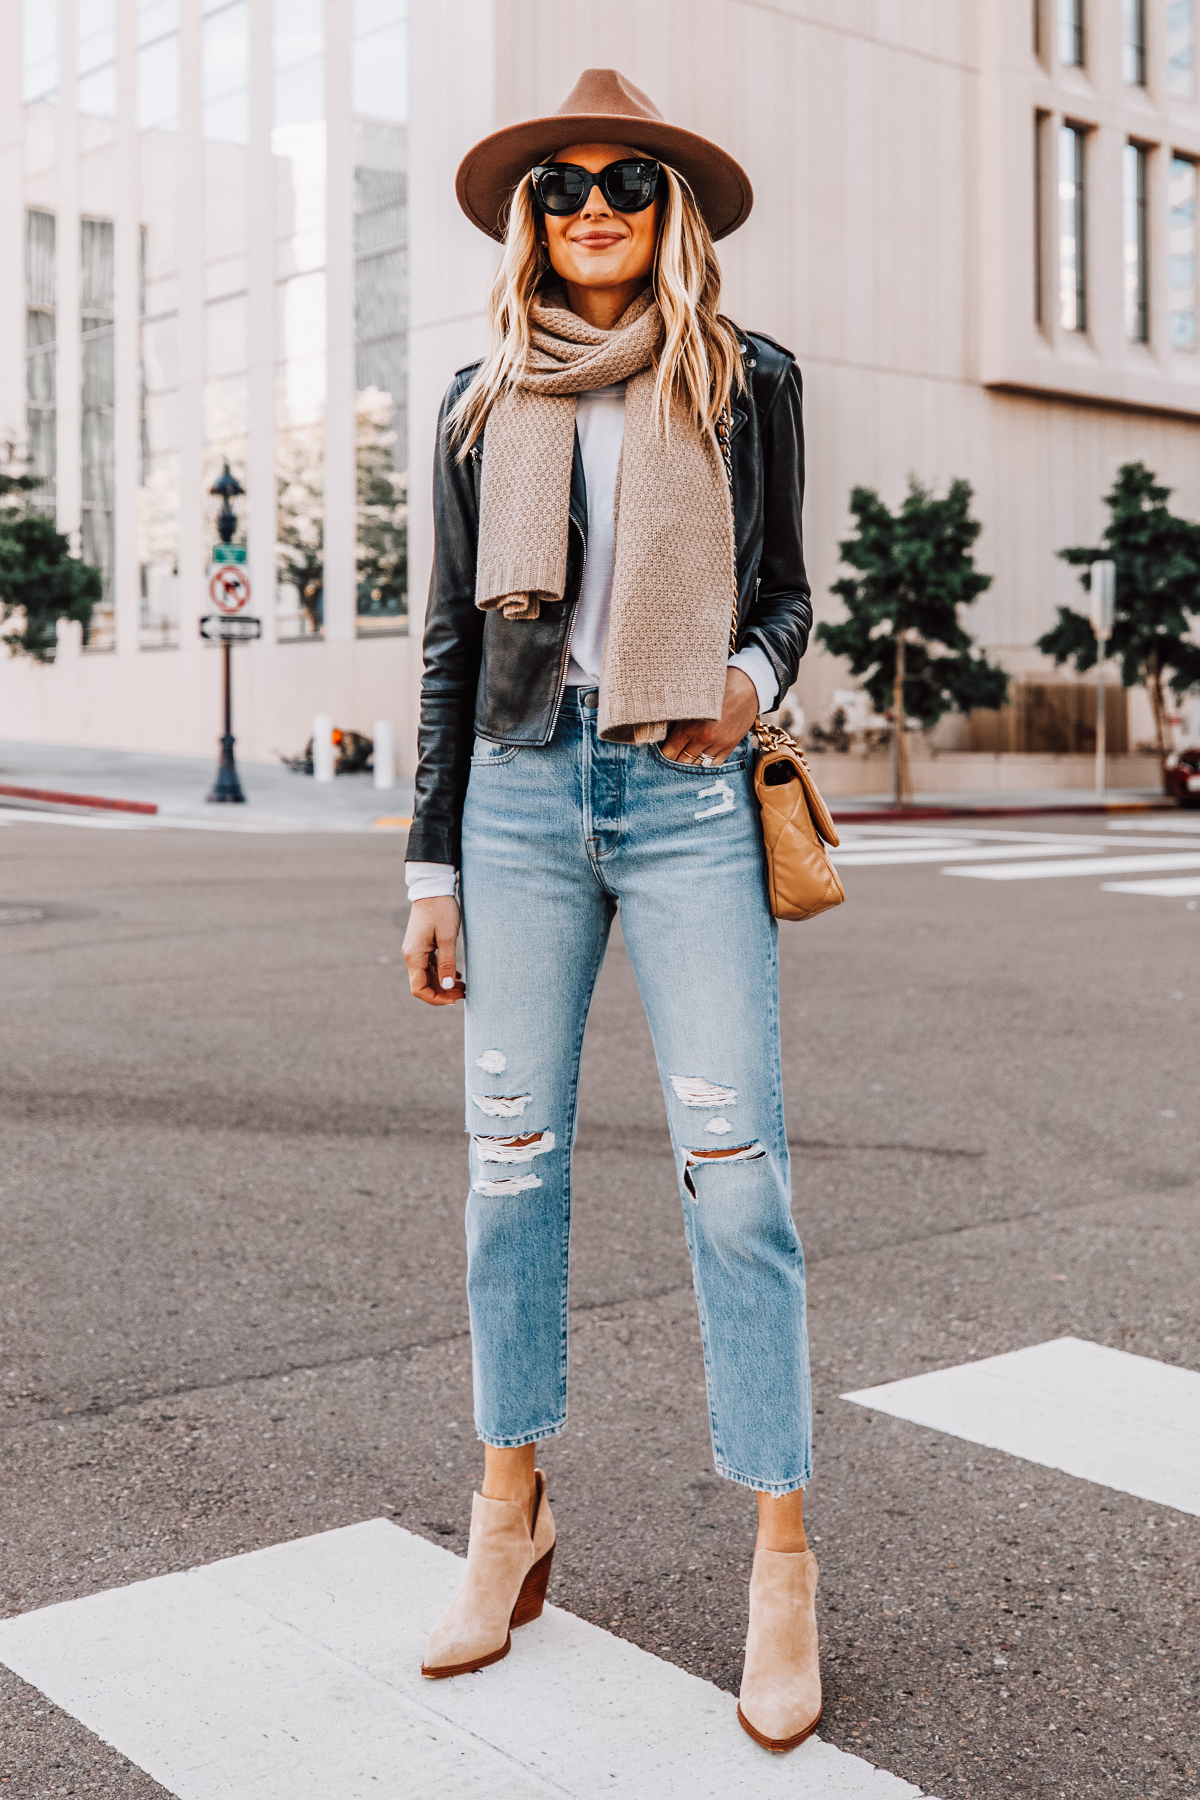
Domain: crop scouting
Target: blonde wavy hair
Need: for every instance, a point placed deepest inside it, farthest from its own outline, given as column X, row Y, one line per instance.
column 699, row 363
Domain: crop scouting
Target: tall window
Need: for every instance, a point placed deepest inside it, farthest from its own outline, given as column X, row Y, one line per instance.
column 1181, row 249
column 298, row 144
column 1072, row 215
column 1181, row 49
column 156, row 35
column 39, row 52
column 1070, row 33
column 40, row 369
column 96, row 441
column 1133, row 220
column 1133, row 42
column 96, row 57
column 156, row 116
column 1039, row 217
column 379, row 96
column 225, row 71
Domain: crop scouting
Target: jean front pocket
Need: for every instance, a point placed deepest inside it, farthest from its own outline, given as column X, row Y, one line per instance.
column 485, row 754
column 734, row 762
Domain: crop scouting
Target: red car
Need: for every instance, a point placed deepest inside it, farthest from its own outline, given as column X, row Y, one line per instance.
column 1182, row 778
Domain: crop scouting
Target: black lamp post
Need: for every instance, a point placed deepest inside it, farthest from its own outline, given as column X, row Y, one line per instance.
column 227, row 789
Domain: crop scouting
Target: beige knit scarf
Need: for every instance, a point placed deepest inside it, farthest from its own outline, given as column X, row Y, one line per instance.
column 668, row 635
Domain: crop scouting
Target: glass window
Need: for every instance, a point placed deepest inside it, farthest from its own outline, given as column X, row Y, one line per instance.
column 379, row 95
column 41, row 417
column 225, row 71
column 96, row 57
column 1133, row 42
column 1039, row 218
column 1072, row 249
column 1181, row 49
column 39, row 51
column 156, row 106
column 1070, row 33
column 96, row 443
column 1133, row 231
column 298, row 146
column 1181, row 253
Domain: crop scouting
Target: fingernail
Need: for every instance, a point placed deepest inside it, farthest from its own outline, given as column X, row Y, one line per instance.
column 447, row 981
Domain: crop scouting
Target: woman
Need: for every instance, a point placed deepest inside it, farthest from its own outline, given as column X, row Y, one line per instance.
column 584, row 746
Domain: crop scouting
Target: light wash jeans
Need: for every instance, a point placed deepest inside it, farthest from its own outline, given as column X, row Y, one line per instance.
column 554, row 839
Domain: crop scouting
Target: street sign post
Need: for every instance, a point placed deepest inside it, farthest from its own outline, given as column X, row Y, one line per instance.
column 1104, row 595
column 229, row 591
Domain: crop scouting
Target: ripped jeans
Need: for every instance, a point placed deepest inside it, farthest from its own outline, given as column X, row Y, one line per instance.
column 554, row 839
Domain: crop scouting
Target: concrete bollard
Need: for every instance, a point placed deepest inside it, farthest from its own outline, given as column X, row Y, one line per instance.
column 322, row 747
column 384, row 755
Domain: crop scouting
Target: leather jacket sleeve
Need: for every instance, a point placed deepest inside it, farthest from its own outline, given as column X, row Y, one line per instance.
column 453, row 647
column 780, row 617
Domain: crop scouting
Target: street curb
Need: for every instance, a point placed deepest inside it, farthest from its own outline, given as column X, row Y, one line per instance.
column 898, row 815
column 51, row 798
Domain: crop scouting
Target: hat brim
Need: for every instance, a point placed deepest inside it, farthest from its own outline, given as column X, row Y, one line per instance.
column 488, row 174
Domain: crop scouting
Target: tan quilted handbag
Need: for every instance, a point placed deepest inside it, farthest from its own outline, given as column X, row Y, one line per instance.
column 796, row 826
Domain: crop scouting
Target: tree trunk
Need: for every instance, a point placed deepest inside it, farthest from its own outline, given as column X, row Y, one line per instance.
column 901, row 780
column 1158, row 706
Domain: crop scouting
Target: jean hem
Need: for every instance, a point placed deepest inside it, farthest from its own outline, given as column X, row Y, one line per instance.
column 528, row 1437
column 776, row 1489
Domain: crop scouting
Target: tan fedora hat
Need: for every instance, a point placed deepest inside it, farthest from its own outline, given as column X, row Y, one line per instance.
column 602, row 107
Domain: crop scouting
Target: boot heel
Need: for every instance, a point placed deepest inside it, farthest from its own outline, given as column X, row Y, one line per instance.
column 532, row 1596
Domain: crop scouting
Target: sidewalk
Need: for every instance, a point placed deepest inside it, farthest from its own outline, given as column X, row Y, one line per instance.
column 276, row 798
column 279, row 800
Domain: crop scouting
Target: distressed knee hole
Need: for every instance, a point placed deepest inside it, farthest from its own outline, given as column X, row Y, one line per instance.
column 730, row 1153
column 506, row 1184
column 719, row 1127
column 502, row 1106
column 694, row 1090
column 514, row 1149
column 492, row 1062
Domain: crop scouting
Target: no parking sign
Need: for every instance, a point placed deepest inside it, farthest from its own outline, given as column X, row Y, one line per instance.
column 229, row 589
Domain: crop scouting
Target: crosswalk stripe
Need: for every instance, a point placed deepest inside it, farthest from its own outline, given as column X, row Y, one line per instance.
column 1096, row 865
column 1166, row 890
column 867, row 859
column 295, row 1671
column 1124, row 1421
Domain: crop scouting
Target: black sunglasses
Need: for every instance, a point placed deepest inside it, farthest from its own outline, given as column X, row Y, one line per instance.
column 563, row 188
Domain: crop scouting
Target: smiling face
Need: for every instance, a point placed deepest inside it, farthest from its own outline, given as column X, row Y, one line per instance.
column 597, row 247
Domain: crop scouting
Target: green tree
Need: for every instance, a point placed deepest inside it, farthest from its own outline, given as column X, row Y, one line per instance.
column 1157, row 557
column 915, row 568
column 41, row 580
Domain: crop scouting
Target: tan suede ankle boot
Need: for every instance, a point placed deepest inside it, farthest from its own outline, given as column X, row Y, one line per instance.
column 508, row 1567
column 780, row 1701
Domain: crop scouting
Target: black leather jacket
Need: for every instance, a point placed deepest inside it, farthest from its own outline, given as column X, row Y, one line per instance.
column 502, row 679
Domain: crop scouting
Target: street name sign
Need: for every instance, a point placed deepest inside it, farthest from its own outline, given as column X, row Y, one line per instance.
column 228, row 553
column 229, row 589
column 221, row 629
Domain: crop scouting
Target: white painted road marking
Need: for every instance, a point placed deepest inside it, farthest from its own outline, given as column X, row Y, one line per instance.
column 1126, row 1422
column 1097, row 865
column 293, row 1674
column 866, row 859
column 1167, row 890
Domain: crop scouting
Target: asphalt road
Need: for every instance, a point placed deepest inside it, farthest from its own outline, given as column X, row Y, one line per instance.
column 232, row 1174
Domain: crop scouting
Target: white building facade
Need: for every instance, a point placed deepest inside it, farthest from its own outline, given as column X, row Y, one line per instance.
column 203, row 213
column 975, row 225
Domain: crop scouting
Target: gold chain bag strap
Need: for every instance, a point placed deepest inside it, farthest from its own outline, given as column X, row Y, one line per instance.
column 796, row 826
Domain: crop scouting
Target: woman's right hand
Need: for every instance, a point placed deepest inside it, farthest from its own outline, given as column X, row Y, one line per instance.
column 429, row 946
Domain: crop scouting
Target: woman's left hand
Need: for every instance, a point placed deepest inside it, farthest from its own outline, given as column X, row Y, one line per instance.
column 690, row 740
